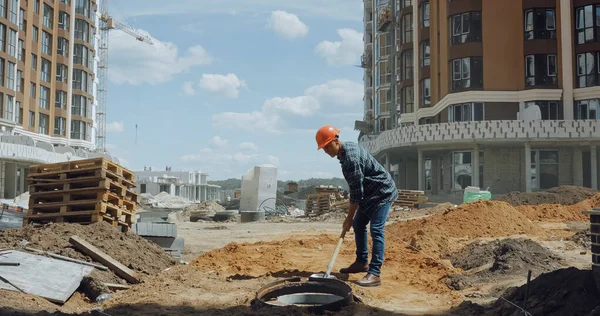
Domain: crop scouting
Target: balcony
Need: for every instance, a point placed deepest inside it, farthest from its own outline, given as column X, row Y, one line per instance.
column 366, row 61
column 385, row 19
column 484, row 131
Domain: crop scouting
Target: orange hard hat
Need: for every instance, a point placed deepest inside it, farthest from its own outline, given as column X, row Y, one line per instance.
column 325, row 135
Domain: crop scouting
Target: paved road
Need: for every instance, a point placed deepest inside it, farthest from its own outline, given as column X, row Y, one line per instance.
column 10, row 220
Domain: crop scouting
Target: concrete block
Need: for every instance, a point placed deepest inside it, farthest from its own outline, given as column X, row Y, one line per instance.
column 155, row 229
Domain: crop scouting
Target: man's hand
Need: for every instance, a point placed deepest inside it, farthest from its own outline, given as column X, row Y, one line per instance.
column 348, row 223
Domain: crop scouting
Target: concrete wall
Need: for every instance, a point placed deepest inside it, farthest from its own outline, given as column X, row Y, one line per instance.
column 504, row 169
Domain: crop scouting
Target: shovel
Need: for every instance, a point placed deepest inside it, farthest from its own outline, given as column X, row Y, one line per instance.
column 327, row 274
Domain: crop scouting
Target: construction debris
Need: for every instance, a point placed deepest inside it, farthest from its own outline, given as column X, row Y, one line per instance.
column 565, row 195
column 164, row 200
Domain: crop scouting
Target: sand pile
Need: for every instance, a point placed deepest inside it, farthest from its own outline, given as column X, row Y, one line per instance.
column 470, row 220
column 557, row 212
column 498, row 259
column 565, row 195
column 197, row 211
column 130, row 249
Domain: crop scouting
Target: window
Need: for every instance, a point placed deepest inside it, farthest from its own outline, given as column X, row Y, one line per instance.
column 467, row 73
column 540, row 24
column 67, row 2
column 385, row 100
column 36, row 7
column 462, row 169
column 407, row 64
column 45, row 71
column 21, row 51
column 407, row 28
column 78, row 105
column 31, row 119
column 20, row 81
column 22, row 22
column 60, row 99
column 466, row 112
column 407, row 103
column 428, row 178
column 82, row 7
column 426, row 91
column 48, row 19
column 32, row 88
column 34, row 35
column 79, row 79
column 81, row 30
column 77, row 129
column 14, row 6
column 544, row 169
column 61, row 73
column 3, row 37
column 1, row 73
column 63, row 46
column 80, row 55
column 424, row 14
column 466, row 27
column 59, row 126
column 588, row 109
column 385, row 44
column 44, row 97
column 587, row 20
column 63, row 20
column 43, row 126
column 385, row 72
column 46, row 43
column 10, row 103
column 33, row 62
column 90, row 87
column 12, row 42
column 405, row 3
column 540, row 70
column 425, row 52
column 548, row 109
column 10, row 75
column 588, row 68
column 3, row 8
column 19, row 114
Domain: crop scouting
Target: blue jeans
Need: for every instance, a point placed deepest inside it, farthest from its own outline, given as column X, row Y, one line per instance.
column 359, row 224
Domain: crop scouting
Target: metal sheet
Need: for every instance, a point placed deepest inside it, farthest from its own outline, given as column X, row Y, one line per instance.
column 52, row 279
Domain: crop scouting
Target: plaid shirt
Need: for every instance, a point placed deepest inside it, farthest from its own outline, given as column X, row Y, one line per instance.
column 371, row 186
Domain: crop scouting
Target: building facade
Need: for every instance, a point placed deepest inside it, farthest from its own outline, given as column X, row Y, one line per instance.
column 499, row 94
column 192, row 185
column 47, row 85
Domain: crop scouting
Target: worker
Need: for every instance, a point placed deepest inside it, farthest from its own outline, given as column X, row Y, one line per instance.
column 372, row 191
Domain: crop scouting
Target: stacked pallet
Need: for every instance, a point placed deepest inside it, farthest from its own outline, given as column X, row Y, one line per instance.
column 409, row 199
column 318, row 203
column 82, row 191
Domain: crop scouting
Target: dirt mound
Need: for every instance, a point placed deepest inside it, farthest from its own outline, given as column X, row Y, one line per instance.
column 565, row 195
column 470, row 220
column 500, row 258
column 557, row 212
column 130, row 249
column 582, row 238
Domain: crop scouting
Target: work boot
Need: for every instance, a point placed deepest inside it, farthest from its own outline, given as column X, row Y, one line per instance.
column 356, row 267
column 369, row 280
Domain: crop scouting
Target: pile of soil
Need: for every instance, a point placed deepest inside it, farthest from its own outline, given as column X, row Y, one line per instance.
column 565, row 195
column 198, row 211
column 131, row 250
column 500, row 258
column 562, row 292
column 398, row 215
column 582, row 238
column 560, row 213
column 435, row 234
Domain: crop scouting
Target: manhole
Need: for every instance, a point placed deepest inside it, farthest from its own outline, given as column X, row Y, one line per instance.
column 314, row 294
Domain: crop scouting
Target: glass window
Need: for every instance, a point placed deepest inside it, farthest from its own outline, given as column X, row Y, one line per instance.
column 540, row 24
column 426, row 91
column 425, row 51
column 407, row 103
column 424, row 14
column 544, row 169
column 466, row 27
column 466, row 112
column 407, row 64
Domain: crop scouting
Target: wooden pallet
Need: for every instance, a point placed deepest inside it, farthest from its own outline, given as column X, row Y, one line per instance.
column 82, row 217
column 318, row 203
column 410, row 198
column 86, row 164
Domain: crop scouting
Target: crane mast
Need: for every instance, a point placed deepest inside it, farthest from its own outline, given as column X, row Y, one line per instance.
column 107, row 23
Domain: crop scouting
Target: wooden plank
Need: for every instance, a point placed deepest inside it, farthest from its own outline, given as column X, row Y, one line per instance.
column 114, row 286
column 52, row 279
column 98, row 255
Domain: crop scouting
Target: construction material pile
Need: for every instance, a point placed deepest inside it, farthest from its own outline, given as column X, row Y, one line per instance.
column 82, row 191
column 201, row 210
column 131, row 250
column 164, row 200
column 565, row 195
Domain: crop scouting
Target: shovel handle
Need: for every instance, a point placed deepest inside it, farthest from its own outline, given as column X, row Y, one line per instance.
column 335, row 253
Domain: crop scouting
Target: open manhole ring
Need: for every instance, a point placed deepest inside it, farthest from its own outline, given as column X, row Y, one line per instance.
column 316, row 295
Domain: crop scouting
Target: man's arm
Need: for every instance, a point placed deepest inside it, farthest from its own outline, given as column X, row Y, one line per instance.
column 355, row 178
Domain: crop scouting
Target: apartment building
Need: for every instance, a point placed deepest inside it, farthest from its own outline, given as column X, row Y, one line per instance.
column 192, row 185
column 500, row 94
column 47, row 85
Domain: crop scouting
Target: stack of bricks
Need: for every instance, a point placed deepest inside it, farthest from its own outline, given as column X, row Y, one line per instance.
column 82, row 191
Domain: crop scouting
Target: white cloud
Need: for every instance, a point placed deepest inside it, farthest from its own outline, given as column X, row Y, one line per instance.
column 115, row 127
column 188, row 88
column 347, row 51
column 269, row 118
column 211, row 158
column 287, row 25
column 340, row 92
column 248, row 146
column 218, row 141
column 136, row 63
column 225, row 85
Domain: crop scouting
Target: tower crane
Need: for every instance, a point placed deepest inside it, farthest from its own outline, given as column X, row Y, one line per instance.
column 107, row 23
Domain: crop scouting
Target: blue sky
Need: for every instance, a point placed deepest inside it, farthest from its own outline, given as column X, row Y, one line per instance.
column 230, row 84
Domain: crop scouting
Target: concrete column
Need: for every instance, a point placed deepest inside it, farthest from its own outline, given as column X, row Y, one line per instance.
column 594, row 167
column 421, row 182
column 566, row 54
column 475, row 168
column 527, row 167
column 577, row 167
column 387, row 163
column 10, row 180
